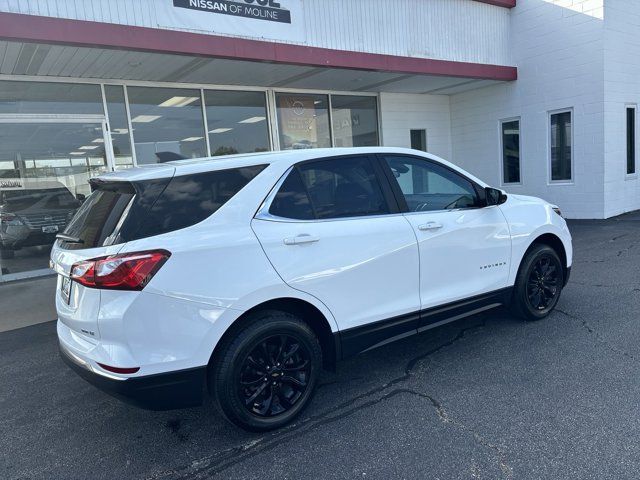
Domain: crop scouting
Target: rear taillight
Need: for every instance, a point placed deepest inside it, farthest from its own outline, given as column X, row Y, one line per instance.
column 126, row 271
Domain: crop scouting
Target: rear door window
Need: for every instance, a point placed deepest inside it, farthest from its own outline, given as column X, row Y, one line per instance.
column 331, row 188
column 292, row 200
column 118, row 212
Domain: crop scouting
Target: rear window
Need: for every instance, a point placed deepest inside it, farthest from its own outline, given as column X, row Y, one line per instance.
column 118, row 212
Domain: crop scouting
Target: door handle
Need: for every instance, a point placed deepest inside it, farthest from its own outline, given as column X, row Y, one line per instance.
column 429, row 226
column 300, row 239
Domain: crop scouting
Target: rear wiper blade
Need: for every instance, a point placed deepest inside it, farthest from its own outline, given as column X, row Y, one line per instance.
column 67, row 238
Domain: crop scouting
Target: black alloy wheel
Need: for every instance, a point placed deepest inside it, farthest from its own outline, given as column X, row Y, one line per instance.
column 265, row 371
column 538, row 284
column 542, row 285
column 275, row 375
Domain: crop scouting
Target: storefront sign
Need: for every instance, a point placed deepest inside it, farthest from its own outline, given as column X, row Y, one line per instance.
column 269, row 10
column 273, row 19
column 11, row 184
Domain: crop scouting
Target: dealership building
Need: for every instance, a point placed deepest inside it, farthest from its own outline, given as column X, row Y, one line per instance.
column 538, row 97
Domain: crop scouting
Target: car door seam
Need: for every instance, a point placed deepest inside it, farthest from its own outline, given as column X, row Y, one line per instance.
column 335, row 323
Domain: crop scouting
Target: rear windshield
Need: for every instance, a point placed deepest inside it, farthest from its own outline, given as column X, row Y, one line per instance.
column 118, row 212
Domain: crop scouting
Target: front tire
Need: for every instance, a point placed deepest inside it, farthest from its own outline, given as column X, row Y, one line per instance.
column 265, row 374
column 538, row 284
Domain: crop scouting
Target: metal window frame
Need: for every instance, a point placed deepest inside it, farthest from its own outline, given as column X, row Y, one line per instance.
column 426, row 138
column 267, row 107
column 270, row 105
column 279, row 91
column 270, row 101
column 501, row 122
column 569, row 181
column 53, row 118
column 633, row 175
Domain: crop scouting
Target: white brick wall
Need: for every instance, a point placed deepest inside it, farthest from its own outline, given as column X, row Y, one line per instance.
column 621, row 87
column 558, row 48
column 401, row 113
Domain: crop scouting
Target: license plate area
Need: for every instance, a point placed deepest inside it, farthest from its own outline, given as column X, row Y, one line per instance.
column 50, row 229
column 65, row 289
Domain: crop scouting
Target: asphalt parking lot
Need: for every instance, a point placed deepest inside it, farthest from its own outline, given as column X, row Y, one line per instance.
column 487, row 397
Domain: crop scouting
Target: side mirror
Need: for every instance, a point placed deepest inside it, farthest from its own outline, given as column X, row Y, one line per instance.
column 494, row 196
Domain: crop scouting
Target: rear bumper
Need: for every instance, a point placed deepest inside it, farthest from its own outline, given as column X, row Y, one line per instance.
column 165, row 391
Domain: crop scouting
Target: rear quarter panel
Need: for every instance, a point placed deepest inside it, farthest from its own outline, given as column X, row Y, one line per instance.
column 216, row 272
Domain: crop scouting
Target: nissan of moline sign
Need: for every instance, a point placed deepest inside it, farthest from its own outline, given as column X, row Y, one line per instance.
column 281, row 20
column 260, row 9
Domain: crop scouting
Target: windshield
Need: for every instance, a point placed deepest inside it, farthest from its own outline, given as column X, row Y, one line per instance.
column 41, row 199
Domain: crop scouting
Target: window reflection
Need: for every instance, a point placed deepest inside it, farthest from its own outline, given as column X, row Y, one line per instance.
column 120, row 138
column 511, row 151
column 561, row 143
column 167, row 124
column 50, row 98
column 303, row 121
column 44, row 173
column 237, row 122
column 355, row 121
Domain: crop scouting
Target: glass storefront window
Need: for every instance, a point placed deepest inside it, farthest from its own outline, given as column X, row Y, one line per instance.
column 44, row 173
column 119, row 125
column 303, row 121
column 50, row 98
column 236, row 122
column 355, row 121
column 167, row 124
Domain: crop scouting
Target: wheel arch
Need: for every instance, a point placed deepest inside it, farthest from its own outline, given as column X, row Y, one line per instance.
column 553, row 241
column 303, row 309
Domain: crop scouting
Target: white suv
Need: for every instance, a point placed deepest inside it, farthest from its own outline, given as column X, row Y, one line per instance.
column 246, row 274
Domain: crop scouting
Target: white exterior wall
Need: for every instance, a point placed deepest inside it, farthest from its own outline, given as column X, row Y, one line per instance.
column 400, row 113
column 558, row 49
column 458, row 30
column 621, row 88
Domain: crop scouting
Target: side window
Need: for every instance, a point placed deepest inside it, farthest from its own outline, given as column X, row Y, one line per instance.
column 292, row 200
column 332, row 188
column 427, row 186
column 343, row 187
column 189, row 199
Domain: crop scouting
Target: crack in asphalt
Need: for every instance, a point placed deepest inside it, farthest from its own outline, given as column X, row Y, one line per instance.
column 210, row 466
column 598, row 337
column 442, row 413
column 604, row 285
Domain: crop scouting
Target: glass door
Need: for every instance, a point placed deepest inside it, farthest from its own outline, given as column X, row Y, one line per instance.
column 45, row 166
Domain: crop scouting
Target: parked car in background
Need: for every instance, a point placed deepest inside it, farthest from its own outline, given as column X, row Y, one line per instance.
column 34, row 214
column 245, row 275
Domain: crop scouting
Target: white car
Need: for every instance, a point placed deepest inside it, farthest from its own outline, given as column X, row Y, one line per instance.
column 245, row 275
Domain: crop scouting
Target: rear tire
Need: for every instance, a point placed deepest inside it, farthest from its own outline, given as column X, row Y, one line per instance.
column 539, row 283
column 265, row 374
